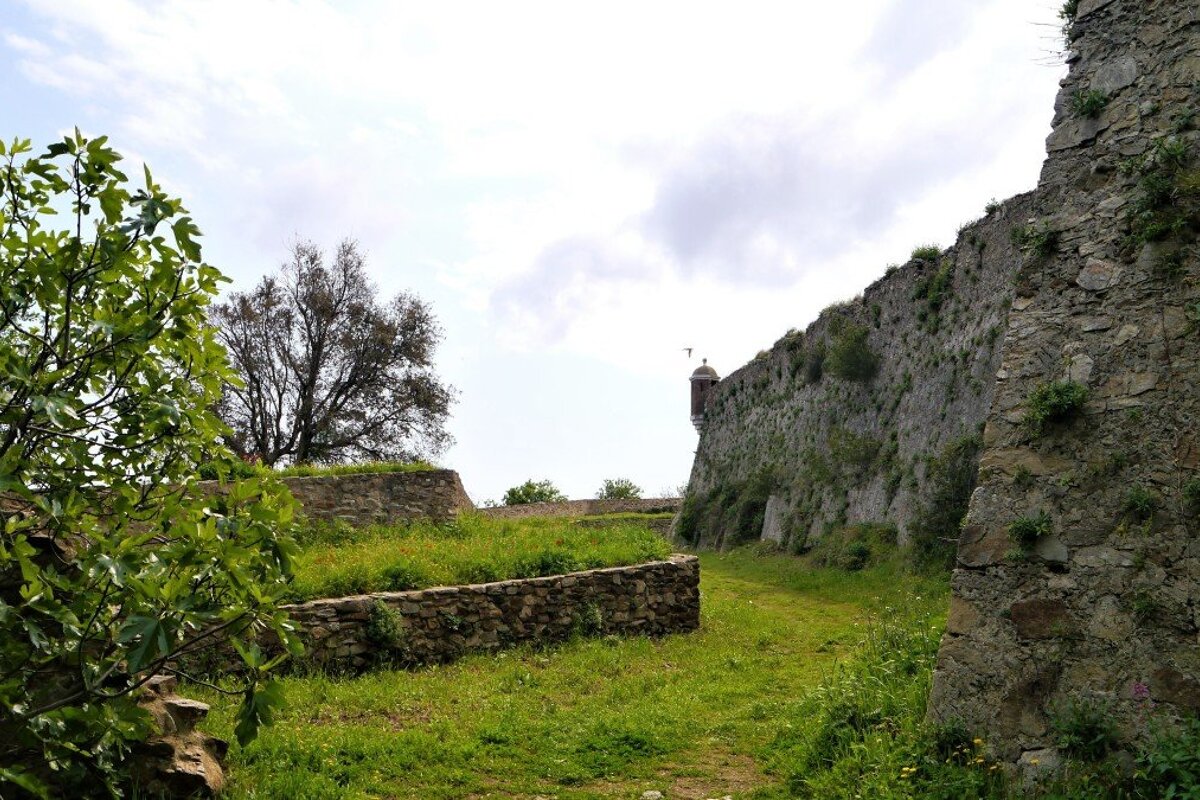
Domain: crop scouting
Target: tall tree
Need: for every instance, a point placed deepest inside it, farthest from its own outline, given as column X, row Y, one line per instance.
column 110, row 569
column 328, row 373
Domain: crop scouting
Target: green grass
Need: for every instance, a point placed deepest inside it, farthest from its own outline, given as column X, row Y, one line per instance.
column 337, row 560
column 705, row 714
column 243, row 470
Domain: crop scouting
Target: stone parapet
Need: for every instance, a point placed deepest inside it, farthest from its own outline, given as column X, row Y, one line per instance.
column 440, row 624
column 585, row 508
column 376, row 498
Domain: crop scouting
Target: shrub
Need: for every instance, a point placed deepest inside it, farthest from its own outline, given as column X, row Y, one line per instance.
column 1056, row 401
column 814, row 363
column 547, row 562
column 1167, row 203
column 533, row 492
column 385, row 627
column 926, row 252
column 108, row 376
column 402, row 577
column 992, row 206
column 850, row 356
column 619, row 489
column 1140, row 502
column 1088, row 103
column 1191, row 495
column 949, row 480
column 1026, row 531
column 1040, row 240
column 1084, row 729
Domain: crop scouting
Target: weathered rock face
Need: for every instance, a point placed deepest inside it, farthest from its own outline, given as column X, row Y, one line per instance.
column 827, row 450
column 1108, row 595
column 377, row 498
column 178, row 760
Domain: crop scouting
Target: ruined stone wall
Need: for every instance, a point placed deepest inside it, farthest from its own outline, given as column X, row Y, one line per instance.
column 1104, row 592
column 377, row 498
column 827, row 451
column 584, row 508
column 440, row 624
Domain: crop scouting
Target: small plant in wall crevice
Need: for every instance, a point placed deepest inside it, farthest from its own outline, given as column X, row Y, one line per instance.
column 1027, row 530
column 1055, row 401
column 1088, row 103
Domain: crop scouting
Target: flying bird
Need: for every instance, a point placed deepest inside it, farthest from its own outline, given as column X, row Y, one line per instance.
column 688, row 350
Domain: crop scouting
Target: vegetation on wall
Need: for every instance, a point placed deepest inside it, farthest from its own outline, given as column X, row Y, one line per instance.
column 950, row 478
column 1167, row 202
column 729, row 514
column 850, row 356
column 1054, row 401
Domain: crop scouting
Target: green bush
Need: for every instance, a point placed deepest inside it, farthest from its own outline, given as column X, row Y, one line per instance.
column 1167, row 203
column 1191, row 495
column 926, row 252
column 385, row 627
column 1140, row 502
column 109, row 373
column 1084, row 729
column 1039, row 240
column 861, row 732
column 533, row 492
column 1088, row 102
column 619, row 489
column 1056, row 401
column 850, row 356
column 1025, row 531
column 950, row 478
column 402, row 577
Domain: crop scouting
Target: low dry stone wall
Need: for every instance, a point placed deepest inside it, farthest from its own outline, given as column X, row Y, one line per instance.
column 378, row 497
column 434, row 625
column 585, row 508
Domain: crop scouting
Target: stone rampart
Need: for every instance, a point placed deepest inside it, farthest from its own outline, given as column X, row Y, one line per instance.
column 828, row 449
column 1078, row 575
column 584, row 508
column 439, row 624
column 377, row 497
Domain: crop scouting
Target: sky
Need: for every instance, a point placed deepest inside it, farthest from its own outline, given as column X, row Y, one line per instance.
column 579, row 190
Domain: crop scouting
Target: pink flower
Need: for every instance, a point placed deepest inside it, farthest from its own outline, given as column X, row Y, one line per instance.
column 1140, row 691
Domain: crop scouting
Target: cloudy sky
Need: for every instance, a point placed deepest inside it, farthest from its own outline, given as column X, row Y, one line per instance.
column 580, row 190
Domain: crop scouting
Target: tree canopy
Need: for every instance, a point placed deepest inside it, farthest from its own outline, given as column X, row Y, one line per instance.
column 532, row 491
column 110, row 569
column 619, row 489
column 327, row 373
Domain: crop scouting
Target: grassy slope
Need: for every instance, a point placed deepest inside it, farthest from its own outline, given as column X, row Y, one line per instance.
column 338, row 561
column 696, row 715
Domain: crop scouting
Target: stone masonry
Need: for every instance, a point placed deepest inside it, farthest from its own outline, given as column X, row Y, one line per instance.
column 1107, row 597
column 839, row 451
column 443, row 623
column 584, row 508
column 377, row 498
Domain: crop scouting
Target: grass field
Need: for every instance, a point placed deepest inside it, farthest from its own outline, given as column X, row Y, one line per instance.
column 339, row 560
column 721, row 711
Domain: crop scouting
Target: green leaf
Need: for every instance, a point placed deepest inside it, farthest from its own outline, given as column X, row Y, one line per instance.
column 258, row 706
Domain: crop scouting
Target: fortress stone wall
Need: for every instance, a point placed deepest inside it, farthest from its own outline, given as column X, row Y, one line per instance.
column 1068, row 340
column 378, row 497
column 1107, row 596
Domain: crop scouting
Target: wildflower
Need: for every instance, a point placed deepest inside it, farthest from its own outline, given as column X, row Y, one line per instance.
column 977, row 741
column 1140, row 691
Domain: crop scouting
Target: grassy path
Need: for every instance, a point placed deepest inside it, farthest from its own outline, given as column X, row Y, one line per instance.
column 591, row 719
